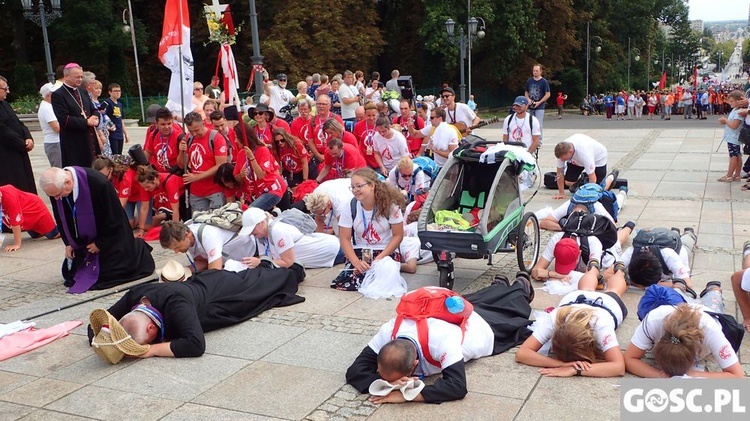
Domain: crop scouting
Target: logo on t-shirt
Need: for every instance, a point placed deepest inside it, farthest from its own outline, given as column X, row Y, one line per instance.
column 370, row 235
column 725, row 353
column 196, row 157
column 126, row 191
column 607, row 339
column 212, row 253
column 281, row 243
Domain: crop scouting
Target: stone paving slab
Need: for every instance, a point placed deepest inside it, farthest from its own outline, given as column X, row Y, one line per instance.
column 288, row 363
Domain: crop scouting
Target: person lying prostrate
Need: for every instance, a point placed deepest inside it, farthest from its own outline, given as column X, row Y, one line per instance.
column 645, row 267
column 498, row 322
column 209, row 246
column 553, row 221
column 582, row 331
column 566, row 254
column 166, row 192
column 328, row 201
column 284, row 244
column 22, row 211
column 376, row 229
column 680, row 336
column 741, row 286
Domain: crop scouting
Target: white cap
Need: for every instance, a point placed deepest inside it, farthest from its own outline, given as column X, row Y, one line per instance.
column 250, row 218
column 47, row 89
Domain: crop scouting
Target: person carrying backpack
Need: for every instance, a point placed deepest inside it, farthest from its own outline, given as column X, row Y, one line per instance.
column 660, row 254
column 452, row 329
column 288, row 239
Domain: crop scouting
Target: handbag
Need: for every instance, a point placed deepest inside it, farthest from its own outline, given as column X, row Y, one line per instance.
column 745, row 134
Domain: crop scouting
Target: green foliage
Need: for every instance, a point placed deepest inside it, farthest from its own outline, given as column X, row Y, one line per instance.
column 23, row 80
column 27, row 104
column 721, row 53
column 746, row 50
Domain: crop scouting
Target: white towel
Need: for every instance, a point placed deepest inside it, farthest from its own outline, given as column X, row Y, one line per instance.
column 410, row 390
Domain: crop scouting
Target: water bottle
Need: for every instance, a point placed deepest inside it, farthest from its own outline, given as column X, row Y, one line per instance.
column 455, row 304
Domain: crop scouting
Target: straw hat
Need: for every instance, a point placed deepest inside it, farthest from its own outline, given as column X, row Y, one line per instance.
column 111, row 341
column 174, row 272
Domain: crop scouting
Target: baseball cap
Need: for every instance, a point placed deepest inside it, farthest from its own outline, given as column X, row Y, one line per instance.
column 151, row 113
column 521, row 100
column 281, row 76
column 567, row 254
column 449, row 90
column 250, row 218
column 47, row 89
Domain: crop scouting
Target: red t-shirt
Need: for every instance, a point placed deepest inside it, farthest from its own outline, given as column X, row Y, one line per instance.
column 253, row 187
column 169, row 191
column 129, row 188
column 289, row 160
column 320, row 138
column 25, row 209
column 350, row 139
column 365, row 134
column 265, row 135
column 413, row 143
column 163, row 150
column 560, row 100
column 283, row 124
column 350, row 160
column 201, row 159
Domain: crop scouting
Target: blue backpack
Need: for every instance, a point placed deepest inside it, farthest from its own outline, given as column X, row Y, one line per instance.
column 427, row 165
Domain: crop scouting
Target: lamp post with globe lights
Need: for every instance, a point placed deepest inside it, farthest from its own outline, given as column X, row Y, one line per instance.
column 43, row 18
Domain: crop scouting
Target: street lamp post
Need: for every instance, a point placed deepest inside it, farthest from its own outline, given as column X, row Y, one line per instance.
column 129, row 26
column 256, row 58
column 464, row 41
column 636, row 58
column 43, row 18
column 473, row 34
column 597, row 48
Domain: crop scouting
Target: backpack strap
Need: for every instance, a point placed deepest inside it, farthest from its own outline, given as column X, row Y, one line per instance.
column 657, row 251
column 224, row 254
column 582, row 299
column 424, row 341
column 353, row 206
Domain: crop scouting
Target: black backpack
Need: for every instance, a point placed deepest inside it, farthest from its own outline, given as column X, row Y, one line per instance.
column 654, row 240
column 581, row 225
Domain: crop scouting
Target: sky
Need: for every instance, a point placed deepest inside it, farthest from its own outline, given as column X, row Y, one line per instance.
column 717, row 10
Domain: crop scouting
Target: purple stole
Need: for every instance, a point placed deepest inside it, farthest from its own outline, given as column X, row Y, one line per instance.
column 85, row 224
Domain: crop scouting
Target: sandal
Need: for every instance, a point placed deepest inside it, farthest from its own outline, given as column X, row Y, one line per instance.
column 725, row 179
column 745, row 187
column 736, row 178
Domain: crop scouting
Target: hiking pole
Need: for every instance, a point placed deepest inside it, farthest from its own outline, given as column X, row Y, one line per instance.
column 36, row 316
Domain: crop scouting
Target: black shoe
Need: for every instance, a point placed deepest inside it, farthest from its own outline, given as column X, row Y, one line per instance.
column 688, row 229
column 500, row 280
column 683, row 286
column 676, row 230
column 525, row 279
column 709, row 285
column 615, row 174
column 581, row 181
column 69, row 283
column 629, row 224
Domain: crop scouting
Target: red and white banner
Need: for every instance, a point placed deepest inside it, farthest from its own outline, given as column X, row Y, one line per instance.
column 176, row 34
column 229, row 69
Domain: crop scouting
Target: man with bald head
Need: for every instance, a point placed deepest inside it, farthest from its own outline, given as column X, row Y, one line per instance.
column 173, row 316
column 100, row 251
column 78, row 119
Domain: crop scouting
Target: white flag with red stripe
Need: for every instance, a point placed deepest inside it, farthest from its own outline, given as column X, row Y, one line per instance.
column 176, row 34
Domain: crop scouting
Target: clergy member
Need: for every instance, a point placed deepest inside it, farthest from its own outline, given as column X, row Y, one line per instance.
column 100, row 251
column 172, row 316
column 15, row 145
column 78, row 119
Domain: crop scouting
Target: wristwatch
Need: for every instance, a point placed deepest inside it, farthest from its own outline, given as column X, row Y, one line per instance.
column 578, row 371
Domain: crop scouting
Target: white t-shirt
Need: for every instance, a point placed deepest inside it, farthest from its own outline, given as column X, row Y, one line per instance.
column 651, row 330
column 369, row 233
column 216, row 243
column 348, row 110
column 631, row 101
column 602, row 321
column 316, row 250
column 444, row 341
column 280, row 97
column 417, row 182
column 341, row 196
column 587, row 153
column 390, row 150
column 679, row 265
column 562, row 211
column 462, row 113
column 376, row 94
column 522, row 129
column 46, row 115
column 440, row 140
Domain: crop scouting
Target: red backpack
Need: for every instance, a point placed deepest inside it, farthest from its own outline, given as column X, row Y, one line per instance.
column 429, row 302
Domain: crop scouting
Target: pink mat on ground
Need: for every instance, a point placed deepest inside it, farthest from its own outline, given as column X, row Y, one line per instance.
column 31, row 338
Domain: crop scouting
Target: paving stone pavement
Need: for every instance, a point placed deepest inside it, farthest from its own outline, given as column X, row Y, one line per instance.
column 289, row 363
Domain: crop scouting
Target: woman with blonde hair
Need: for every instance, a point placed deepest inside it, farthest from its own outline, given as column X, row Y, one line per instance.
column 373, row 229
column 681, row 337
column 582, row 331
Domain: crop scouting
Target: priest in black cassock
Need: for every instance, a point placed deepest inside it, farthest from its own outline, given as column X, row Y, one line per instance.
column 100, row 251
column 173, row 316
column 15, row 144
column 78, row 119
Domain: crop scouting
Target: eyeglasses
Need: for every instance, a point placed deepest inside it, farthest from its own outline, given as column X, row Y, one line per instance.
column 282, row 80
column 405, row 175
column 197, row 89
column 445, row 96
column 357, row 187
column 6, row 89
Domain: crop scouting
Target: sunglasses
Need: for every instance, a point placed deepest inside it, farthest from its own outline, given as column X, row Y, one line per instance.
column 405, row 175
column 445, row 96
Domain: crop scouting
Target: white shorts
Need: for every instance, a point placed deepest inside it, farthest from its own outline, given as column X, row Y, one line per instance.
column 745, row 284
